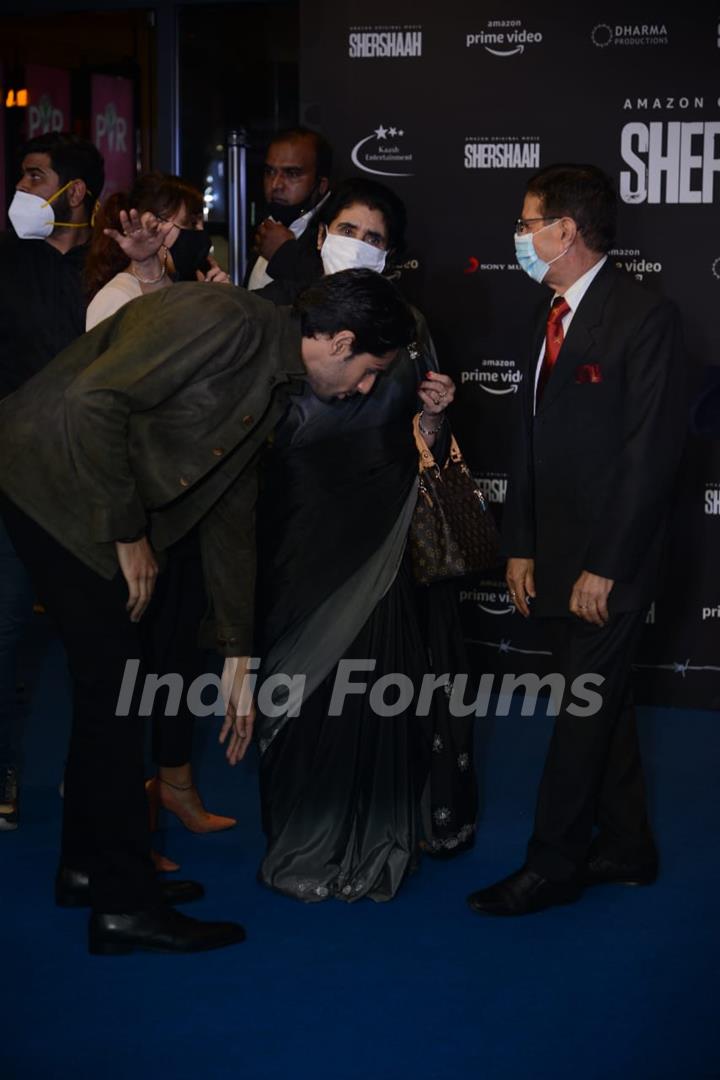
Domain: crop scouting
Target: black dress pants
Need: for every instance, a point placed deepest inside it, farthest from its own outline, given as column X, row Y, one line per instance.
column 105, row 816
column 593, row 774
column 170, row 634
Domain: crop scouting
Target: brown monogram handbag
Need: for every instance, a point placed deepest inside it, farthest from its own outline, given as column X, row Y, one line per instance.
column 453, row 530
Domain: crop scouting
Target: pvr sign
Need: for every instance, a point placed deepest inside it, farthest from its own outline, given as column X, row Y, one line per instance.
column 111, row 131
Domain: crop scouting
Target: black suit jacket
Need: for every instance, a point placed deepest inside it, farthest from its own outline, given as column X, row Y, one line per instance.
column 593, row 470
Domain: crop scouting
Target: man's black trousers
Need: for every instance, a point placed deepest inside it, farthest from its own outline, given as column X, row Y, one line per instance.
column 105, row 816
column 593, row 774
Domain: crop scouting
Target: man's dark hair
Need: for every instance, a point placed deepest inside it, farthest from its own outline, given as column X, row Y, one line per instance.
column 584, row 193
column 72, row 158
column 361, row 301
column 375, row 196
column 323, row 149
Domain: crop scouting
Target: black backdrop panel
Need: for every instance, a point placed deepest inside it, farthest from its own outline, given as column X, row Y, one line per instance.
column 454, row 105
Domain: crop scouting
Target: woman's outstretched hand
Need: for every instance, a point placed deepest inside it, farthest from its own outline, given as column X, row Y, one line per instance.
column 140, row 237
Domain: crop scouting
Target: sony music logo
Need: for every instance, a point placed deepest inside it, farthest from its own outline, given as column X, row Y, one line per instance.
column 673, row 162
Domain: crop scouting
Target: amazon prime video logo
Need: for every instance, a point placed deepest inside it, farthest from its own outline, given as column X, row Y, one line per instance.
column 504, row 37
column 492, row 597
column 496, row 377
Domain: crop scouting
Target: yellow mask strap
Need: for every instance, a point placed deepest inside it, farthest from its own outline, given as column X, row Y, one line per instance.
column 68, row 224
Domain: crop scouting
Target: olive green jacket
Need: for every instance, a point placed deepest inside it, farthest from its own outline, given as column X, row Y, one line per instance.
column 154, row 420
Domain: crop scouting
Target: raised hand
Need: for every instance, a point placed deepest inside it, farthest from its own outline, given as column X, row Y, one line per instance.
column 140, row 237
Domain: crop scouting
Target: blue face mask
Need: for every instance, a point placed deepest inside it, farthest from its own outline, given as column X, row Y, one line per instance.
column 528, row 258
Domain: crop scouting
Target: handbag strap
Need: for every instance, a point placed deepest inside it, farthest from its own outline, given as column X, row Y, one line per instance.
column 426, row 459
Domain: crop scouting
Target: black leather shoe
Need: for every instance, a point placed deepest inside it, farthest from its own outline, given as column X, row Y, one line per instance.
column 159, row 930
column 523, row 893
column 72, row 889
column 602, row 870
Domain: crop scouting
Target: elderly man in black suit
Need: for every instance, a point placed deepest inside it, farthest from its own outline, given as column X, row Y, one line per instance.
column 596, row 455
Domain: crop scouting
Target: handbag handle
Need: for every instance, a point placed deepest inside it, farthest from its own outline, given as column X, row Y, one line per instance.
column 427, row 461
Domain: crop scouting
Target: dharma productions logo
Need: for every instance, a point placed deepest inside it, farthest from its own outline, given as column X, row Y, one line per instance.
column 603, row 35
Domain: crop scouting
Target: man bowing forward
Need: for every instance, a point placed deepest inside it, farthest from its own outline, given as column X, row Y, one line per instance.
column 595, row 457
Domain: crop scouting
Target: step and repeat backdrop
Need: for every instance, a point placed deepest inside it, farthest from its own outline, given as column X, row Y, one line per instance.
column 454, row 106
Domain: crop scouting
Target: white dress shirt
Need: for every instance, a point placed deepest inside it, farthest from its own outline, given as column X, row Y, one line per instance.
column 572, row 296
column 259, row 276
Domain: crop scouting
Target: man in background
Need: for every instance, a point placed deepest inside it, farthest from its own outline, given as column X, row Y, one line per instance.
column 296, row 181
column 42, row 309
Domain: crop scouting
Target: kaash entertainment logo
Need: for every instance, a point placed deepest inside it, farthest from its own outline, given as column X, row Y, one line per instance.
column 497, row 152
column 631, row 261
column 382, row 148
column 493, row 487
column 492, row 597
column 669, row 162
column 504, row 37
column 712, row 499
column 646, row 34
column 384, row 42
column 494, row 377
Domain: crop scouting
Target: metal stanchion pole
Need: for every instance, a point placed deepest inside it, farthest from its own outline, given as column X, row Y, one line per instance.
column 237, row 204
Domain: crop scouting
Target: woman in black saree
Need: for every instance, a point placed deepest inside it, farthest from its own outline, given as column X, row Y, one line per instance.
column 349, row 795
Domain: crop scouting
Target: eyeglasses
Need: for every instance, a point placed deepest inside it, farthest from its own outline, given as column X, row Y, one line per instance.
column 522, row 224
column 194, row 221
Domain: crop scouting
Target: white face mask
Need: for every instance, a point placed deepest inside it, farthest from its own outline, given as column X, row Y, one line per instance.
column 344, row 253
column 33, row 218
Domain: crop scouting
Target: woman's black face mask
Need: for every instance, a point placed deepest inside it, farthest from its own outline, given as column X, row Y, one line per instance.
column 190, row 252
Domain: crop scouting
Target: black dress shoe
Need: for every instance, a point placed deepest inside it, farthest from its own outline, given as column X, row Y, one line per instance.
column 72, row 889
column 523, row 893
column 159, row 930
column 602, row 870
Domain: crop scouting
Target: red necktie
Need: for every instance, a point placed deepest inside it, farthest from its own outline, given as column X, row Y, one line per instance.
column 554, row 338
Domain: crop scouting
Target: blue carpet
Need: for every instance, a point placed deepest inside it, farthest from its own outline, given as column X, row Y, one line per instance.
column 622, row 984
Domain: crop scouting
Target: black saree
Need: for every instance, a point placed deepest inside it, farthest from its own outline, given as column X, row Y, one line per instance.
column 341, row 794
